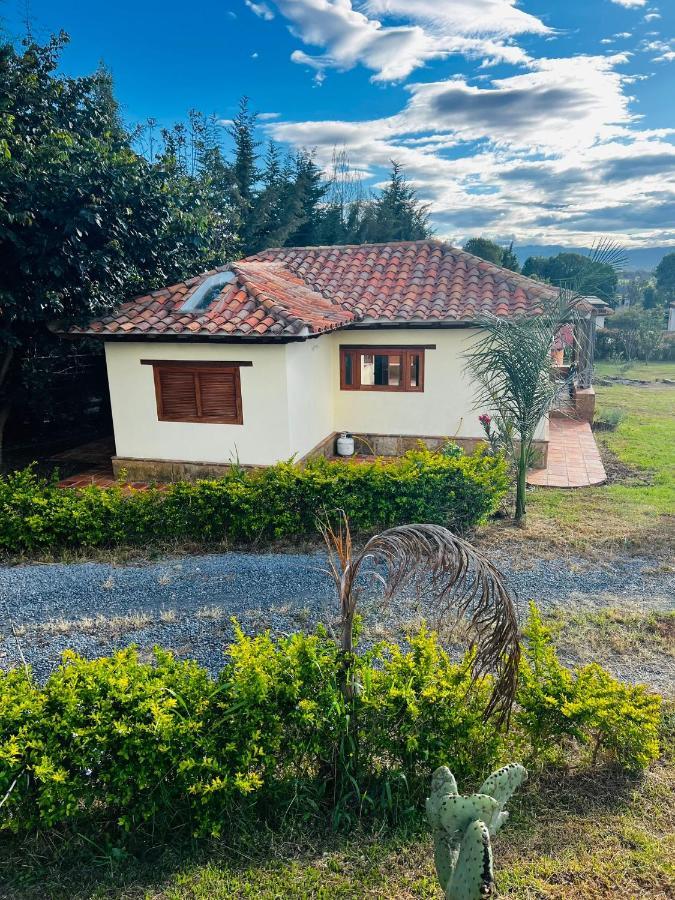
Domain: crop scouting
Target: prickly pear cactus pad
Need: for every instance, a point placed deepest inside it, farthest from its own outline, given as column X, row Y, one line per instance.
column 462, row 827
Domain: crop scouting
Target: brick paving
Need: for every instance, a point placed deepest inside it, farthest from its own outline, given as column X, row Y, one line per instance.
column 573, row 457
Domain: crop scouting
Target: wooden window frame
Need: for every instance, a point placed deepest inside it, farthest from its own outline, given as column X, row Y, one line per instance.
column 356, row 352
column 196, row 368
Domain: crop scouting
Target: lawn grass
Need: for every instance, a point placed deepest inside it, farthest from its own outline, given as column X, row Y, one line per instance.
column 635, row 512
column 641, row 371
column 595, row 835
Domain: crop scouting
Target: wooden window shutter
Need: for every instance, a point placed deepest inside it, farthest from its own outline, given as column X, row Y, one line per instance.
column 219, row 394
column 177, row 394
column 198, row 392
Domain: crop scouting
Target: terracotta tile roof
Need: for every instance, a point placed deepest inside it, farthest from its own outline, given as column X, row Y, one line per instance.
column 308, row 290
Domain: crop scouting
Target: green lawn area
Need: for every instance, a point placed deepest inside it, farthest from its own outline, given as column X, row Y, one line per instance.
column 594, row 836
column 641, row 371
column 636, row 511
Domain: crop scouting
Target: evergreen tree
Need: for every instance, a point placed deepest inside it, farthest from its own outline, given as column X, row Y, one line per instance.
column 309, row 189
column 245, row 172
column 397, row 214
column 665, row 278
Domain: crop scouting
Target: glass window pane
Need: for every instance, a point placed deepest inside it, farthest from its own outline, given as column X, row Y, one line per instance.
column 381, row 369
column 367, row 368
column 349, row 374
column 414, row 370
column 395, row 370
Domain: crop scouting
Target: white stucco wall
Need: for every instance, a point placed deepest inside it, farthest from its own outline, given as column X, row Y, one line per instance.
column 311, row 381
column 291, row 397
column 445, row 407
column 263, row 438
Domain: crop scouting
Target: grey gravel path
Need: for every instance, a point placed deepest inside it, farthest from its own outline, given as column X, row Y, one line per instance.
column 187, row 603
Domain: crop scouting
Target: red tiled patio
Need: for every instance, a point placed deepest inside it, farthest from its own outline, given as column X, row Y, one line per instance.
column 573, row 457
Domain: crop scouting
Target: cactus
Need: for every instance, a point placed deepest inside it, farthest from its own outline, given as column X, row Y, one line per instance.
column 463, row 827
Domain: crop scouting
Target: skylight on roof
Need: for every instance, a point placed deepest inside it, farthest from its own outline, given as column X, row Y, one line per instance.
column 207, row 291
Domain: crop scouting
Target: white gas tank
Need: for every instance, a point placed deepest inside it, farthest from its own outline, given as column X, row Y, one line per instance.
column 345, row 444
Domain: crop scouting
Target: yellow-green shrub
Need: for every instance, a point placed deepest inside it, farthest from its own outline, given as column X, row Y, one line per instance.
column 616, row 721
column 149, row 746
column 280, row 501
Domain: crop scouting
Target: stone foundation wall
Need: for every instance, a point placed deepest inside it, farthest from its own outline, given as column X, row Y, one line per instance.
column 386, row 445
column 398, row 444
column 165, row 470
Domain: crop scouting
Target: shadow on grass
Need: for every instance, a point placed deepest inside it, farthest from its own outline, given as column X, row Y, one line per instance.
column 79, row 865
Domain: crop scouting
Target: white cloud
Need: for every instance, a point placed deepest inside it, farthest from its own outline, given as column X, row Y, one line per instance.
column 262, row 10
column 630, row 3
column 651, row 16
column 664, row 50
column 550, row 155
column 479, row 29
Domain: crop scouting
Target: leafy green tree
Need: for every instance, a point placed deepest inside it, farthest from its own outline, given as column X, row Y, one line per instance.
column 639, row 332
column 85, row 221
column 485, row 249
column 665, row 278
column 573, row 271
column 492, row 252
column 650, row 297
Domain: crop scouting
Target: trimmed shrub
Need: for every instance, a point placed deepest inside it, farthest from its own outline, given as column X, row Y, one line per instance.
column 145, row 747
column 615, row 721
column 280, row 501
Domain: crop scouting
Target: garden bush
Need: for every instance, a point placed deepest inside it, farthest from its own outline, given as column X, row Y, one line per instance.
column 615, row 721
column 277, row 502
column 146, row 747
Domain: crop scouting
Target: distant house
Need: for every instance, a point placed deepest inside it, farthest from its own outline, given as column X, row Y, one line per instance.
column 273, row 356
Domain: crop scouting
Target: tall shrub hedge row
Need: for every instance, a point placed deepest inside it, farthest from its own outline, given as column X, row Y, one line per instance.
column 136, row 746
column 280, row 501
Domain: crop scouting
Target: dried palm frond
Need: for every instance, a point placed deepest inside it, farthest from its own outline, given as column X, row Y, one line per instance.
column 462, row 583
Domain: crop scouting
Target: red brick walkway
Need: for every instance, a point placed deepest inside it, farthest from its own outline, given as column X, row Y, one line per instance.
column 573, row 457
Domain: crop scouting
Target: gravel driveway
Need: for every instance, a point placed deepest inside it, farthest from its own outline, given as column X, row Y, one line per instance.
column 186, row 603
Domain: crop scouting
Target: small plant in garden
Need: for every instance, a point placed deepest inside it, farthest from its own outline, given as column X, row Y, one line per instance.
column 609, row 419
column 463, row 826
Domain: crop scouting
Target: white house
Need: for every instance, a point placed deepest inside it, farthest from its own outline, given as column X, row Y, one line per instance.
column 272, row 356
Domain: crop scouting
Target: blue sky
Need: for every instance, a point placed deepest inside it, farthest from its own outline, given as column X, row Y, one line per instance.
column 547, row 121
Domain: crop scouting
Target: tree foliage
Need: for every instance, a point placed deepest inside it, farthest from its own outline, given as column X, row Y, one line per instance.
column 590, row 275
column 494, row 253
column 93, row 212
column 665, row 278
column 512, row 366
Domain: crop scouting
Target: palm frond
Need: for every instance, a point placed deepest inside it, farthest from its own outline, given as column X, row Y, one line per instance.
column 462, row 584
column 609, row 253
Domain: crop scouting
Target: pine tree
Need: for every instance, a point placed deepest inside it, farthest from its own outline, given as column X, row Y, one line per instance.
column 245, row 171
column 397, row 214
column 309, row 190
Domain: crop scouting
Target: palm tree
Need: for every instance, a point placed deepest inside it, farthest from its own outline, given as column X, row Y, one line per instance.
column 512, row 366
column 462, row 583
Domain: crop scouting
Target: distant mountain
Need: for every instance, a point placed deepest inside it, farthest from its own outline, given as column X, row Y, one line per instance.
column 646, row 258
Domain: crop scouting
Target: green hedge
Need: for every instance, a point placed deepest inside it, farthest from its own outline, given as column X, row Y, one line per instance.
column 142, row 747
column 280, row 501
